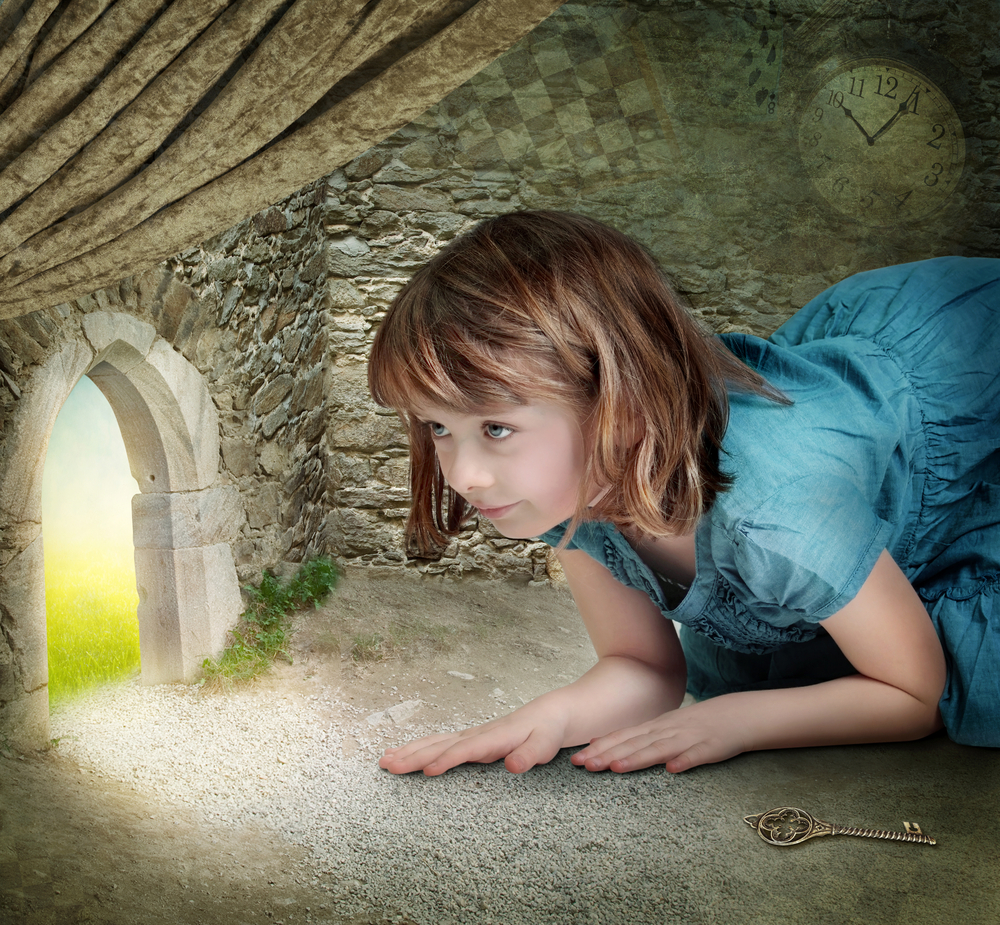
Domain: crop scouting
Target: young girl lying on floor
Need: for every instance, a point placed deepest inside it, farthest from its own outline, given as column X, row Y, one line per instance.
column 827, row 500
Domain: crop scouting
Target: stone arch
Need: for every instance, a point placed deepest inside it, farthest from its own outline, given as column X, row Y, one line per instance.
column 183, row 520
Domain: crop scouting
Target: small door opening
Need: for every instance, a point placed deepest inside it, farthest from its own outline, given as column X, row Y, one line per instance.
column 90, row 588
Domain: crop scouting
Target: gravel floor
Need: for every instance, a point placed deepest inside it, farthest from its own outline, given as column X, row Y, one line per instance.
column 297, row 756
column 431, row 849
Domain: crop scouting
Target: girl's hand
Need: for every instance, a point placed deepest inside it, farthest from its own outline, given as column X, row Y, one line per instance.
column 702, row 733
column 521, row 739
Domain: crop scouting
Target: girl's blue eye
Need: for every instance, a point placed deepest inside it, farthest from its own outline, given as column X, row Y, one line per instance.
column 498, row 431
column 437, row 430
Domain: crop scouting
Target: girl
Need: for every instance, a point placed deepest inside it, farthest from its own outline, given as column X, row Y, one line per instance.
column 827, row 502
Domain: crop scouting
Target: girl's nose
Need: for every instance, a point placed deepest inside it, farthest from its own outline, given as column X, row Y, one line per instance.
column 467, row 471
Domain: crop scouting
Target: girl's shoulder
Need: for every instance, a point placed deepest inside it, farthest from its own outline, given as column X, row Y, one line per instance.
column 804, row 544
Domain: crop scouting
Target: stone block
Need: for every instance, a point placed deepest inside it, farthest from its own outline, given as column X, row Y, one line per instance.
column 181, row 520
column 273, row 221
column 23, row 450
column 262, row 506
column 444, row 224
column 22, row 594
column 341, row 294
column 188, row 600
column 349, row 244
column 290, row 347
column 378, row 223
column 313, row 427
column 22, row 344
column 175, row 303
column 274, row 421
column 394, row 199
column 273, row 394
column 239, row 456
column 25, row 721
column 168, row 421
column 308, row 391
column 223, row 268
column 364, row 539
column 398, row 261
column 364, row 165
column 313, row 268
column 273, row 459
column 371, row 498
column 372, row 432
column 395, row 472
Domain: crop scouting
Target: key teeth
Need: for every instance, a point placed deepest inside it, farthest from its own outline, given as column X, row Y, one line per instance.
column 913, row 829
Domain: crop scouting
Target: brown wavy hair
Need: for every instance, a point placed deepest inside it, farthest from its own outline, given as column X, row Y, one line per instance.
column 553, row 306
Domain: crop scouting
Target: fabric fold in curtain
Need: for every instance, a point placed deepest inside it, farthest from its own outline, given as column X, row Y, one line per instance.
column 201, row 113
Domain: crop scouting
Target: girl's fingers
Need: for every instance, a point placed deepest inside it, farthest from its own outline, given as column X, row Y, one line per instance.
column 537, row 749
column 678, row 751
column 406, row 758
column 641, row 751
column 617, row 744
column 414, row 756
column 437, row 754
column 657, row 752
column 522, row 745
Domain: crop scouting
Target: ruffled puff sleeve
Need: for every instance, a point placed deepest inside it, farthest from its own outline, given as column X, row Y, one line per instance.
column 805, row 552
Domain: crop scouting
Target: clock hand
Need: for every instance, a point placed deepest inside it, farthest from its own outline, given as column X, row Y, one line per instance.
column 850, row 116
column 903, row 107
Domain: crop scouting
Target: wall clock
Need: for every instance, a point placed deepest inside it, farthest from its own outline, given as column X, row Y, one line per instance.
column 881, row 142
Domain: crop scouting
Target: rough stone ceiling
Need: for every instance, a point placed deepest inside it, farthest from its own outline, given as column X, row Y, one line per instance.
column 132, row 129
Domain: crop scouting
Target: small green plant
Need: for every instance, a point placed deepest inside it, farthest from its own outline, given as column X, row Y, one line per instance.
column 264, row 629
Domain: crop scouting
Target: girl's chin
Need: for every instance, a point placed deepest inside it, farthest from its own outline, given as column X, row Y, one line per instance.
column 513, row 529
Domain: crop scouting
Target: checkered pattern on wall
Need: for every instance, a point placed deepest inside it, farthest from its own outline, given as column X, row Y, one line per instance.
column 584, row 101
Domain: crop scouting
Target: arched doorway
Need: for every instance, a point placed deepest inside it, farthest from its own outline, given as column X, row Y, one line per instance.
column 183, row 520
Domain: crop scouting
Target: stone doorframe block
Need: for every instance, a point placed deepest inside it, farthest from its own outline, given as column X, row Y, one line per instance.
column 183, row 521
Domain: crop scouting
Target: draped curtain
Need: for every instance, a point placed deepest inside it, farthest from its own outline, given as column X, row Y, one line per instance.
column 134, row 129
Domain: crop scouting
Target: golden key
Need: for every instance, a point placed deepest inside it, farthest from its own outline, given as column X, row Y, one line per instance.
column 787, row 825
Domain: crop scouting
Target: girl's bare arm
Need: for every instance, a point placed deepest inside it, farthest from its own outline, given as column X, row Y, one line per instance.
column 888, row 637
column 639, row 674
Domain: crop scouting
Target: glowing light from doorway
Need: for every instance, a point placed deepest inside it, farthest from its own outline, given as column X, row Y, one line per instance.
column 90, row 595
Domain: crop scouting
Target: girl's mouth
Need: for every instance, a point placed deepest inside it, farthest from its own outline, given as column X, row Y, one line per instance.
column 494, row 513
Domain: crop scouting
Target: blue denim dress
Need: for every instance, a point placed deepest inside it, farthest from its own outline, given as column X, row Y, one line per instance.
column 893, row 442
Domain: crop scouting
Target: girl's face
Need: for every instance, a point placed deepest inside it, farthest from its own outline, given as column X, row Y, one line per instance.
column 520, row 465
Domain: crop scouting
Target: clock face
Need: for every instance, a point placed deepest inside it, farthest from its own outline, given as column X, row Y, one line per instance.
column 881, row 142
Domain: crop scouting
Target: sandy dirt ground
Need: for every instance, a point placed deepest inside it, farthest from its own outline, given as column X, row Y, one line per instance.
column 76, row 847
column 390, row 658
